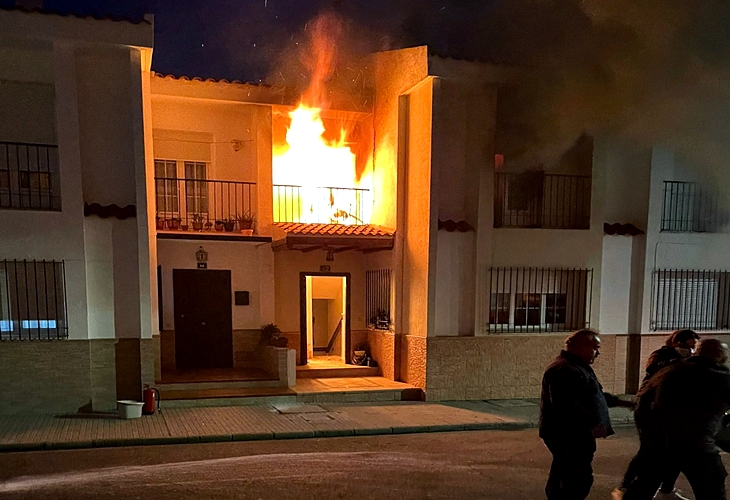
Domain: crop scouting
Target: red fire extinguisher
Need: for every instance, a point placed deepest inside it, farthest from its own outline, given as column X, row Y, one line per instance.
column 148, row 396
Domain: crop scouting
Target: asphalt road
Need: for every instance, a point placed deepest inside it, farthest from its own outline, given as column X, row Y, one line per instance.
column 502, row 465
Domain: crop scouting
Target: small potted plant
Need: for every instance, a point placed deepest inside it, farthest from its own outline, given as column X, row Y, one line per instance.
column 208, row 226
column 160, row 223
column 271, row 335
column 197, row 222
column 245, row 223
column 219, row 225
column 229, row 225
column 173, row 224
column 184, row 227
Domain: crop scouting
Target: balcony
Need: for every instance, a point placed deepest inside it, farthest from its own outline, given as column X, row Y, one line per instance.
column 689, row 207
column 29, row 176
column 205, row 205
column 324, row 205
column 540, row 200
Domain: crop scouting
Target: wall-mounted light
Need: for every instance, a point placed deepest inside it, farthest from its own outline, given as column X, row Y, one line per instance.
column 330, row 256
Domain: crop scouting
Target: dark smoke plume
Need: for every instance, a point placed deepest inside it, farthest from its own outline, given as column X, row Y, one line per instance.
column 655, row 70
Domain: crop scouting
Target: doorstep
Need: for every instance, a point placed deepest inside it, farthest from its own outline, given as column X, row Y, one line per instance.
column 308, row 390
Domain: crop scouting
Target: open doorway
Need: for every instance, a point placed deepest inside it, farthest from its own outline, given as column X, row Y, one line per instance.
column 325, row 319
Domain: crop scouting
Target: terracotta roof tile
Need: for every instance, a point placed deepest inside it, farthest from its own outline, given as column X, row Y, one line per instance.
column 621, row 229
column 461, row 226
column 333, row 229
column 141, row 19
column 207, row 80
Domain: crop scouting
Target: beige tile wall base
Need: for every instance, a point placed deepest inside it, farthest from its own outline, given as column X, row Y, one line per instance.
column 508, row 366
column 150, row 356
column 413, row 360
column 102, row 374
column 247, row 349
column 650, row 342
column 382, row 349
column 61, row 376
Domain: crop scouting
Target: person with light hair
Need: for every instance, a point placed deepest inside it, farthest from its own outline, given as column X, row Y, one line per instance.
column 688, row 402
column 573, row 414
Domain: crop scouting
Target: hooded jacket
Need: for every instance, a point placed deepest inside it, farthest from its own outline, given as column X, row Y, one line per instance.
column 572, row 402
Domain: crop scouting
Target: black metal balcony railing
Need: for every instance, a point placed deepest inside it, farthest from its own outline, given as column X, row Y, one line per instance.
column 690, row 207
column 320, row 204
column 29, row 176
column 690, row 298
column 204, row 205
column 540, row 200
column 32, row 300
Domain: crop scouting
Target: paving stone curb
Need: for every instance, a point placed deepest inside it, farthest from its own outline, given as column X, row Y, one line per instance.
column 259, row 436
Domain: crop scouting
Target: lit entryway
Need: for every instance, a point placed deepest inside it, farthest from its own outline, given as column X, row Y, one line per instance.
column 325, row 320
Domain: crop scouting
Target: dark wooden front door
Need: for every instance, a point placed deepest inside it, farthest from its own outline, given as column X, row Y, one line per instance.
column 203, row 325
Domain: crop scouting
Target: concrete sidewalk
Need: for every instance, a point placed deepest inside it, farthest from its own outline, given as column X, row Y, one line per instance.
column 246, row 423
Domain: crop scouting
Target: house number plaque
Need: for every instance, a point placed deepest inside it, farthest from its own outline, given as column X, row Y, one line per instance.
column 202, row 257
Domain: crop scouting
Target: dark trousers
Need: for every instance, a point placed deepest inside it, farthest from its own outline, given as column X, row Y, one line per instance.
column 669, row 476
column 571, row 473
column 704, row 471
column 647, row 457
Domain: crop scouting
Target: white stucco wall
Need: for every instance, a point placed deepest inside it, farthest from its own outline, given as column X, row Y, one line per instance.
column 251, row 270
column 616, row 284
column 203, row 130
column 288, row 266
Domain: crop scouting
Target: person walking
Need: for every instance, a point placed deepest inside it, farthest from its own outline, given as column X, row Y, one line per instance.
column 679, row 345
column 573, row 413
column 689, row 403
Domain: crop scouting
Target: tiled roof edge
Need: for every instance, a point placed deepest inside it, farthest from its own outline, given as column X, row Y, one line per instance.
column 186, row 78
column 141, row 20
column 450, row 226
column 621, row 229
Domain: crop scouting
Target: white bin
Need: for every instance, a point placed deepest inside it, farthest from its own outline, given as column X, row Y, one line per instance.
column 129, row 409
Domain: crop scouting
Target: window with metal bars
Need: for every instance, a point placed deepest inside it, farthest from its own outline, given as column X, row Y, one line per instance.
column 29, row 176
column 542, row 200
column 690, row 298
column 689, row 207
column 377, row 298
column 32, row 300
column 537, row 299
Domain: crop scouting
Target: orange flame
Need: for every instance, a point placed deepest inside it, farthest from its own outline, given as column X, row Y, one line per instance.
column 311, row 162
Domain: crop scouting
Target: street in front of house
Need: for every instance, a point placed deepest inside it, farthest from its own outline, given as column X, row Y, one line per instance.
column 505, row 465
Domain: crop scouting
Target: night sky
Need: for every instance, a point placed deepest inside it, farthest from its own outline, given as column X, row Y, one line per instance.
column 238, row 39
column 655, row 69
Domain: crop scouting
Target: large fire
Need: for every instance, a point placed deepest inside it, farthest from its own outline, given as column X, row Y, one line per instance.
column 314, row 179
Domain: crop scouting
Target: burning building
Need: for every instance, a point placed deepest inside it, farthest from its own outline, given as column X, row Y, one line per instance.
column 222, row 236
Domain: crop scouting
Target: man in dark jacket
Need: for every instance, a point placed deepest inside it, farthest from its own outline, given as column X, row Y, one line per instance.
column 573, row 413
column 690, row 400
column 678, row 346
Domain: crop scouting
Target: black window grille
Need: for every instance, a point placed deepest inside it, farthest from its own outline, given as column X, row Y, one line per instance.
column 377, row 298
column 689, row 207
column 32, row 300
column 29, row 176
column 530, row 299
column 540, row 200
column 690, row 298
